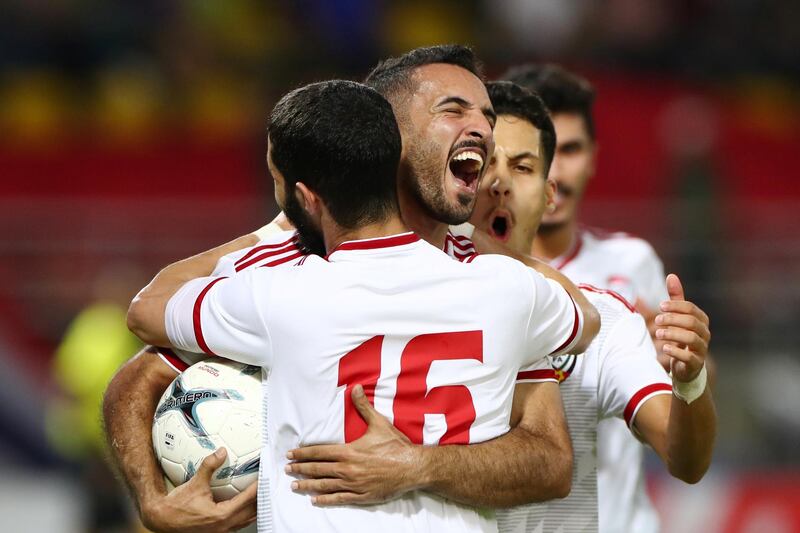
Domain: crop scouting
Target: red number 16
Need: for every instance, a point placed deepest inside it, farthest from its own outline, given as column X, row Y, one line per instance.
column 413, row 400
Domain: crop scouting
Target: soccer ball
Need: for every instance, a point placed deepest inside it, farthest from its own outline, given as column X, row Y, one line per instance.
column 212, row 404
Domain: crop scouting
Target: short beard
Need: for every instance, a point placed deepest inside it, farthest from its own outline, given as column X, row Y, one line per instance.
column 310, row 238
column 425, row 181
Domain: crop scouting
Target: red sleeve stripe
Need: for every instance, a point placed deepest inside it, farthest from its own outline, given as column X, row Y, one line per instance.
column 198, row 328
column 471, row 258
column 592, row 288
column 574, row 332
column 169, row 357
column 266, row 255
column 540, row 374
column 462, row 238
column 283, row 260
column 645, row 393
column 263, row 247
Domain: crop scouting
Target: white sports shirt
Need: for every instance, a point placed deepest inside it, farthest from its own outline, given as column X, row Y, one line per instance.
column 611, row 380
column 398, row 316
column 629, row 266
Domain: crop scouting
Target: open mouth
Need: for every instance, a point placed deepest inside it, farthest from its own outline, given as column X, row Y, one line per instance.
column 466, row 166
column 500, row 225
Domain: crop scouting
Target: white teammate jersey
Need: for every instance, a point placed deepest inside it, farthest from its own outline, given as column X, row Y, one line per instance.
column 436, row 343
column 629, row 266
column 611, row 380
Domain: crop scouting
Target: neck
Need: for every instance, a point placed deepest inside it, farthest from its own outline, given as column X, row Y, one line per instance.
column 420, row 222
column 336, row 235
column 553, row 242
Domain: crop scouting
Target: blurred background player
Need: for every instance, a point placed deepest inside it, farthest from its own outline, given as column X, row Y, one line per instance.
column 618, row 261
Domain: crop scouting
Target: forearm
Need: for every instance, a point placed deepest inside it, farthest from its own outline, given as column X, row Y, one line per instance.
column 691, row 432
column 591, row 318
column 128, row 407
column 146, row 313
column 514, row 469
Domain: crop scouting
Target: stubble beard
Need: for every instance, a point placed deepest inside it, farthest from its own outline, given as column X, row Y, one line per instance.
column 426, row 183
column 310, row 238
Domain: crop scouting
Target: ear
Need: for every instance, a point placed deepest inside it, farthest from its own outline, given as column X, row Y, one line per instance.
column 309, row 201
column 549, row 195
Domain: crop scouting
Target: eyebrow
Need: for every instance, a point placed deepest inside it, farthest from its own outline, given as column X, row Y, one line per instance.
column 488, row 112
column 522, row 155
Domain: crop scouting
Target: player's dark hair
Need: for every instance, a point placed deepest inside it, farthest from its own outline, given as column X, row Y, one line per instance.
column 393, row 77
column 561, row 90
column 341, row 140
column 510, row 99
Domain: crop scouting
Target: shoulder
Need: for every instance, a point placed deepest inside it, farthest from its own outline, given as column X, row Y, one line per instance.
column 606, row 299
column 618, row 244
column 278, row 249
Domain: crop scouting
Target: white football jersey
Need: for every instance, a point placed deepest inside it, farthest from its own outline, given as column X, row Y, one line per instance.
column 629, row 266
column 398, row 316
column 612, row 379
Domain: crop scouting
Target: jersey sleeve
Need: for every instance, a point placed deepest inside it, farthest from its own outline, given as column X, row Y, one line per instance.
column 554, row 323
column 648, row 278
column 221, row 316
column 539, row 372
column 629, row 371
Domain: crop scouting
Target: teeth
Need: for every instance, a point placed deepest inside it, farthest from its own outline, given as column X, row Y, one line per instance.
column 464, row 156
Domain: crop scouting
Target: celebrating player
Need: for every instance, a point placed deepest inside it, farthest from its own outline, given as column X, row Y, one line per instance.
column 617, row 261
column 386, row 309
column 618, row 376
column 443, row 113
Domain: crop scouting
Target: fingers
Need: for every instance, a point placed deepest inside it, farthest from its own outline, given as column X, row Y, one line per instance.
column 364, row 407
column 320, row 486
column 320, row 452
column 674, row 288
column 687, row 322
column 684, row 307
column 211, row 463
column 683, row 337
column 243, row 500
column 685, row 363
column 341, row 498
column 315, row 470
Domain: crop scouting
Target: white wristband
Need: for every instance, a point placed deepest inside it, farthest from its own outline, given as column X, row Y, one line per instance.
column 265, row 231
column 690, row 390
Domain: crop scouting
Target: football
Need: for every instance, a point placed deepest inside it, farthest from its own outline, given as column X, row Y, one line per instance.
column 213, row 404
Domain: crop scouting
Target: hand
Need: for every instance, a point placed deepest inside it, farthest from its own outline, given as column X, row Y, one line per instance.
column 649, row 315
column 376, row 468
column 191, row 506
column 684, row 328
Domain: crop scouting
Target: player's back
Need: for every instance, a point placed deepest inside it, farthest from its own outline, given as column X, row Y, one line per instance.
column 437, row 342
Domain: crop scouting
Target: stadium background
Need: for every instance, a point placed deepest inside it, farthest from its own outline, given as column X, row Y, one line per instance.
column 132, row 134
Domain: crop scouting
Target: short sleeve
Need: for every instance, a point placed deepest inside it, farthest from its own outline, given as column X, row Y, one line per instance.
column 221, row 316
column 629, row 371
column 555, row 322
column 539, row 372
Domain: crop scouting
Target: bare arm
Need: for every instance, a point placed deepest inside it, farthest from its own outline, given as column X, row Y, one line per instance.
column 682, row 434
column 146, row 313
column 128, row 407
column 591, row 318
column 532, row 462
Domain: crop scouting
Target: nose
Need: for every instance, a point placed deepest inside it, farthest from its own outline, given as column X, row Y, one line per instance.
column 501, row 186
column 479, row 127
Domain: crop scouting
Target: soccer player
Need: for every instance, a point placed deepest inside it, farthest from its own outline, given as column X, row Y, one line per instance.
column 609, row 260
column 387, row 310
column 617, row 377
column 443, row 112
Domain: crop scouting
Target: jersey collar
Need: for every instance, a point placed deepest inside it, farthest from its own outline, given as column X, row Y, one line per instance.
column 390, row 241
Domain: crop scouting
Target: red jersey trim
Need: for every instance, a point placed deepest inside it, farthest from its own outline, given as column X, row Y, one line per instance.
column 645, row 393
column 540, row 374
column 380, row 242
column 266, row 255
column 471, row 258
column 169, row 357
column 592, row 288
column 576, row 321
column 198, row 328
column 573, row 254
column 286, row 259
column 465, row 245
column 263, row 247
